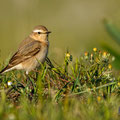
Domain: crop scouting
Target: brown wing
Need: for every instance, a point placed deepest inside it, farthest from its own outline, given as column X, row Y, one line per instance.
column 24, row 53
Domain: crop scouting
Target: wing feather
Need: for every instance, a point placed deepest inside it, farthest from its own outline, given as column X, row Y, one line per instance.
column 24, row 53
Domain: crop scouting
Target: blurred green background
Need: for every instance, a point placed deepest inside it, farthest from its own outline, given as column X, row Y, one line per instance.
column 75, row 24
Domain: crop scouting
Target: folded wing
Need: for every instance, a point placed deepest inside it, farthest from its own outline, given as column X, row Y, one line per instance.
column 24, row 53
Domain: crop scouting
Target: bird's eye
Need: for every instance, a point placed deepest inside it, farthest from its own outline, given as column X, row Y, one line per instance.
column 38, row 32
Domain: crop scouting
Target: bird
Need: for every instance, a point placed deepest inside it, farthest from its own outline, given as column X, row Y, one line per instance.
column 32, row 51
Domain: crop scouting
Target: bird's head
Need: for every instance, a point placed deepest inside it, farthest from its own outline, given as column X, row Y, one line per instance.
column 40, row 33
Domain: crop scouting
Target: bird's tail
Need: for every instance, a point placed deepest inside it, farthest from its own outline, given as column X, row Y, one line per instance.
column 4, row 70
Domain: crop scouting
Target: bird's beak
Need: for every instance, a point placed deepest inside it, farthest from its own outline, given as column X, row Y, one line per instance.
column 48, row 32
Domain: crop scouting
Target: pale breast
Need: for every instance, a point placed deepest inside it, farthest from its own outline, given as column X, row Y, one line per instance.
column 42, row 54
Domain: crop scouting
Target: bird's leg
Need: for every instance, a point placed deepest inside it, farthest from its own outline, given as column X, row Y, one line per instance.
column 30, row 86
column 27, row 76
column 29, row 81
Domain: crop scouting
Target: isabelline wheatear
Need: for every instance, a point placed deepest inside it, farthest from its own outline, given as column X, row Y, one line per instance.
column 31, row 50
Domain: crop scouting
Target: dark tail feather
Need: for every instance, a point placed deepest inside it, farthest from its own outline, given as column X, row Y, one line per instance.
column 3, row 70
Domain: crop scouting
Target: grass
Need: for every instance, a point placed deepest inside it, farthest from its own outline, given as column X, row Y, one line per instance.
column 83, row 88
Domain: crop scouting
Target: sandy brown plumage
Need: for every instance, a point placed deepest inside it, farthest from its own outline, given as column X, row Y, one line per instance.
column 32, row 49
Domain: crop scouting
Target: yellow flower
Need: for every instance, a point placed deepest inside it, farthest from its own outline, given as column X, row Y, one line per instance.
column 104, row 54
column 68, row 55
column 95, row 49
column 110, row 66
column 86, row 53
column 99, row 98
column 91, row 55
column 118, row 83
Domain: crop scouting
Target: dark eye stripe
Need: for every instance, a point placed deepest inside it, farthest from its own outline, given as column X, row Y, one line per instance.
column 38, row 32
